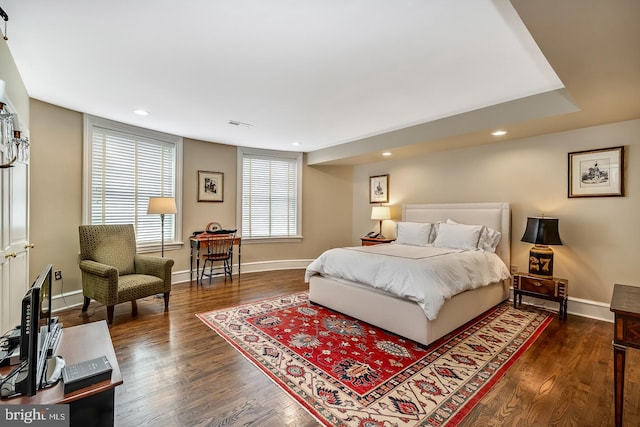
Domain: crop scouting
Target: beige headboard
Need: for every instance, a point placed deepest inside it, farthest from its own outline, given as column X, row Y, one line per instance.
column 496, row 215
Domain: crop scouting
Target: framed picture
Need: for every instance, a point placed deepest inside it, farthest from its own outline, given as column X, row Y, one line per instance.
column 379, row 189
column 597, row 173
column 210, row 186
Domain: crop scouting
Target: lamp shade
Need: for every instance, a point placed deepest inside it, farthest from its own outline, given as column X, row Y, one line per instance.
column 380, row 213
column 162, row 205
column 542, row 231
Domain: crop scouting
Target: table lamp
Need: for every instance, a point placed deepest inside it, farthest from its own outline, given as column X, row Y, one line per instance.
column 542, row 232
column 380, row 213
column 162, row 206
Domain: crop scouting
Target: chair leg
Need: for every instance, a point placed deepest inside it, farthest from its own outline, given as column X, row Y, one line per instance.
column 166, row 300
column 134, row 308
column 204, row 267
column 227, row 269
column 110, row 314
column 85, row 306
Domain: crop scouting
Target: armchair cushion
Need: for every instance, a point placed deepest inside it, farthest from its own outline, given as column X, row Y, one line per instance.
column 134, row 286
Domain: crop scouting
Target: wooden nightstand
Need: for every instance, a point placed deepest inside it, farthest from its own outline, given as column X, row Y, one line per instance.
column 370, row 241
column 552, row 289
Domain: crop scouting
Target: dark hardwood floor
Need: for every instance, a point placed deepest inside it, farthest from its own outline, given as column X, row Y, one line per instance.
column 178, row 372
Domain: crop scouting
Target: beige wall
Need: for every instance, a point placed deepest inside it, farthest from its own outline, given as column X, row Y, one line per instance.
column 600, row 235
column 56, row 197
column 56, row 191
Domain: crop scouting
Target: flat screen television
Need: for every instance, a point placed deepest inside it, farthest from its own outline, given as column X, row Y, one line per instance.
column 43, row 297
column 35, row 324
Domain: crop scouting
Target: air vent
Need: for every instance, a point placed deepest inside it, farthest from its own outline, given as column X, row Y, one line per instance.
column 237, row 123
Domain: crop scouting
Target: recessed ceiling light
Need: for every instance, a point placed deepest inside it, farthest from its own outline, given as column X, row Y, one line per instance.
column 386, row 153
column 295, row 144
column 499, row 132
column 141, row 112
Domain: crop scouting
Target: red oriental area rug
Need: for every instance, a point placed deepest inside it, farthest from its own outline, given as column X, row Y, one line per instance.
column 348, row 373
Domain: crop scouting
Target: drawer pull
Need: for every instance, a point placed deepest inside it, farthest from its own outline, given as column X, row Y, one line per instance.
column 537, row 284
column 11, row 255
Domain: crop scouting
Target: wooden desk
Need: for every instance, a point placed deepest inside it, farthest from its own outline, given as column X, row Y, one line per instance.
column 77, row 344
column 195, row 247
column 625, row 304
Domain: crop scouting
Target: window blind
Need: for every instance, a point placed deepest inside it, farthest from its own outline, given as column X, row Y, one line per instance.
column 269, row 196
column 126, row 169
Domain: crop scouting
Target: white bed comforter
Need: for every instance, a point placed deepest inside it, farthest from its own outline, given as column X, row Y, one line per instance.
column 425, row 274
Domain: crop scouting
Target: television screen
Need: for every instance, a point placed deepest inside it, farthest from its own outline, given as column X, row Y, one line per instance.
column 45, row 299
column 43, row 284
column 26, row 377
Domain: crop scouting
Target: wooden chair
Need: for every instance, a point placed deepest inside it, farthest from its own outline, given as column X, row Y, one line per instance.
column 215, row 248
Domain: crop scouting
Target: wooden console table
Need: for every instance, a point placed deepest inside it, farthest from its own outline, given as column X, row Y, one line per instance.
column 194, row 243
column 89, row 406
column 625, row 304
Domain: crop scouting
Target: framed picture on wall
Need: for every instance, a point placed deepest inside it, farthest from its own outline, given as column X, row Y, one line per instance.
column 210, row 186
column 379, row 189
column 597, row 173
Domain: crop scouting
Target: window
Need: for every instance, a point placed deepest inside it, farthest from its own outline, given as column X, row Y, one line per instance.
column 123, row 167
column 270, row 193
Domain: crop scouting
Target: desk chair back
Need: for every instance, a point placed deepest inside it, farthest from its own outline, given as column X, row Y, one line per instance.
column 217, row 247
column 213, row 226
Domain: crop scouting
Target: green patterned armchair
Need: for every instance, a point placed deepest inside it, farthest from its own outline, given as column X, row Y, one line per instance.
column 113, row 273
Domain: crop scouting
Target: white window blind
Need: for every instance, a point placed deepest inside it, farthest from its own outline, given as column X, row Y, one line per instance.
column 270, row 195
column 126, row 166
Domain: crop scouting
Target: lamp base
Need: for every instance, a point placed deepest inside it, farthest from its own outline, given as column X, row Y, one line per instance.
column 380, row 236
column 541, row 261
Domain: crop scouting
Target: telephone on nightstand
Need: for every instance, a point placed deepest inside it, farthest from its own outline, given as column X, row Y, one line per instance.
column 372, row 235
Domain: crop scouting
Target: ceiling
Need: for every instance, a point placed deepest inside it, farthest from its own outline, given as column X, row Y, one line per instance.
column 342, row 80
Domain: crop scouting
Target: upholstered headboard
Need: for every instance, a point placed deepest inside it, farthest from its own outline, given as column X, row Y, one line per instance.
column 494, row 215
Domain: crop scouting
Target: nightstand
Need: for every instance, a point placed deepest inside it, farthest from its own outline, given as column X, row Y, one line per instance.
column 370, row 241
column 552, row 289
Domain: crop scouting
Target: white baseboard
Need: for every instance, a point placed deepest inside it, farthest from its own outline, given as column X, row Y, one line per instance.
column 252, row 267
column 66, row 300
column 576, row 306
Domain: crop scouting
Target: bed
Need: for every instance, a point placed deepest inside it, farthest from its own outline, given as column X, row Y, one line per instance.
column 406, row 317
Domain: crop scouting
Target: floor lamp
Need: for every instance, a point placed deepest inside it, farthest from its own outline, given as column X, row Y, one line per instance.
column 162, row 206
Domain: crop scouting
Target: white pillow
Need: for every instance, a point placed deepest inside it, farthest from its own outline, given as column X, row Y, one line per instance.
column 489, row 238
column 458, row 236
column 413, row 233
